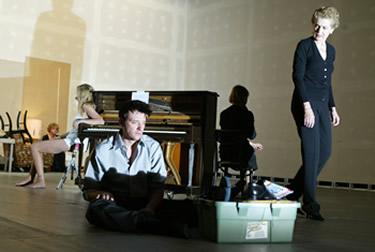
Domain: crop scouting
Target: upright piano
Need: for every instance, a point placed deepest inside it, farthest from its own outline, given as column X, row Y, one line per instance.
column 185, row 117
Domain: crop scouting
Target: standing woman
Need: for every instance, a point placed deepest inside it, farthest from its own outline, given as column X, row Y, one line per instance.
column 313, row 106
column 87, row 114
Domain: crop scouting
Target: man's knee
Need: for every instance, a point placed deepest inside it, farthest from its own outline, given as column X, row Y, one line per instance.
column 96, row 210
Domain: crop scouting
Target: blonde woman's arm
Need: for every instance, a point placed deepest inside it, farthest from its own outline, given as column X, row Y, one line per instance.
column 94, row 117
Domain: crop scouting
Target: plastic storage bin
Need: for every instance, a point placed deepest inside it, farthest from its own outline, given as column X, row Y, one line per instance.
column 248, row 222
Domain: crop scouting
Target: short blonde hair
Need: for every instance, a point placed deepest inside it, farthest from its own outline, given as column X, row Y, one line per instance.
column 53, row 126
column 239, row 95
column 327, row 12
column 84, row 96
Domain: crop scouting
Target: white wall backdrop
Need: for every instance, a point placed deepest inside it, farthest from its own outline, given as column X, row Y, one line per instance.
column 205, row 45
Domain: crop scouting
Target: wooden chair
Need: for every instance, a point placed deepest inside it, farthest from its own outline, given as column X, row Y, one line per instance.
column 3, row 132
column 2, row 123
column 23, row 157
column 21, row 127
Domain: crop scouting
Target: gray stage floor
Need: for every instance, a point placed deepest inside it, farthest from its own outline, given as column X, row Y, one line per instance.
column 54, row 220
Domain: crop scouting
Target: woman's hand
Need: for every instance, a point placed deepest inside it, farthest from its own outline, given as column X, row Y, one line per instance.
column 257, row 146
column 76, row 123
column 309, row 118
column 335, row 118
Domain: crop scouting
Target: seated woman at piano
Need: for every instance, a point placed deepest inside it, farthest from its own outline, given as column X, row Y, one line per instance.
column 239, row 117
column 87, row 114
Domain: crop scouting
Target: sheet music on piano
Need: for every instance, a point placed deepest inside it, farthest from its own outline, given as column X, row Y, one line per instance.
column 141, row 96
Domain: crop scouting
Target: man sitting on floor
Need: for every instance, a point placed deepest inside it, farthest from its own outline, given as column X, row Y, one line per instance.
column 124, row 181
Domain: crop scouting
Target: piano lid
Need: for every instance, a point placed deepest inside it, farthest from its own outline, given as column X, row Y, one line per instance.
column 180, row 107
column 183, row 102
column 111, row 117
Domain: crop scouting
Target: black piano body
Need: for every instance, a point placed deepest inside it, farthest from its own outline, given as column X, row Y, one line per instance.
column 186, row 117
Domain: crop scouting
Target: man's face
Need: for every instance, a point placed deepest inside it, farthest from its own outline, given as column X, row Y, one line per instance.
column 134, row 125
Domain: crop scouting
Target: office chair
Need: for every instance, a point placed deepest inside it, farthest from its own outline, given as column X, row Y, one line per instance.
column 234, row 152
column 232, row 156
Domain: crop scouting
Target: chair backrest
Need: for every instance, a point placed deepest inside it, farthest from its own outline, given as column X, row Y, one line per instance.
column 21, row 127
column 3, row 133
column 9, row 123
column 233, row 149
column 2, row 123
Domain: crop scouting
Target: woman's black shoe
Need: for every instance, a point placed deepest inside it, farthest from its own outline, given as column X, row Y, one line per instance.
column 316, row 217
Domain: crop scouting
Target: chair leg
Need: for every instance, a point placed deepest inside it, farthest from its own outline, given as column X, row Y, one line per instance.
column 251, row 176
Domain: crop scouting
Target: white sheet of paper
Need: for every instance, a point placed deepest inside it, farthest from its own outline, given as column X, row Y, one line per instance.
column 141, row 96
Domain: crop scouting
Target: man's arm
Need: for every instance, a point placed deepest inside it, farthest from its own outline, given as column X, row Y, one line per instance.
column 92, row 188
column 156, row 180
column 155, row 199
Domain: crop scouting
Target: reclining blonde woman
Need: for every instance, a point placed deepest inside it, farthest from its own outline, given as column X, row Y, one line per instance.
column 87, row 114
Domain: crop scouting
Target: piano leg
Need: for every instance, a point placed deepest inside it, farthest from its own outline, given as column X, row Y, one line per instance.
column 191, row 165
column 169, row 160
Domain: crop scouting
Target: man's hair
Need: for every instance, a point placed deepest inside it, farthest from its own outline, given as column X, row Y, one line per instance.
column 133, row 106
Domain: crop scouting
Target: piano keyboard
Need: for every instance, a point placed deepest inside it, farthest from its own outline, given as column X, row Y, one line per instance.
column 114, row 130
column 165, row 132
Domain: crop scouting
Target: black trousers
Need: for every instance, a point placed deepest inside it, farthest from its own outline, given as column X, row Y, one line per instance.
column 316, row 148
column 172, row 217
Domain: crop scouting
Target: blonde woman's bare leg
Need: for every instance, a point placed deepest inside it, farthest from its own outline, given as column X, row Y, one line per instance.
column 51, row 146
column 38, row 165
column 30, row 177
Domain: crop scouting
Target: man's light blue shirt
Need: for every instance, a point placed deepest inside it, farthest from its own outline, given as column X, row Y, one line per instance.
column 111, row 153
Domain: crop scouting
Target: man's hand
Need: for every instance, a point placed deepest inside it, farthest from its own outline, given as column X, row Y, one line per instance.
column 93, row 194
column 147, row 211
column 105, row 196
